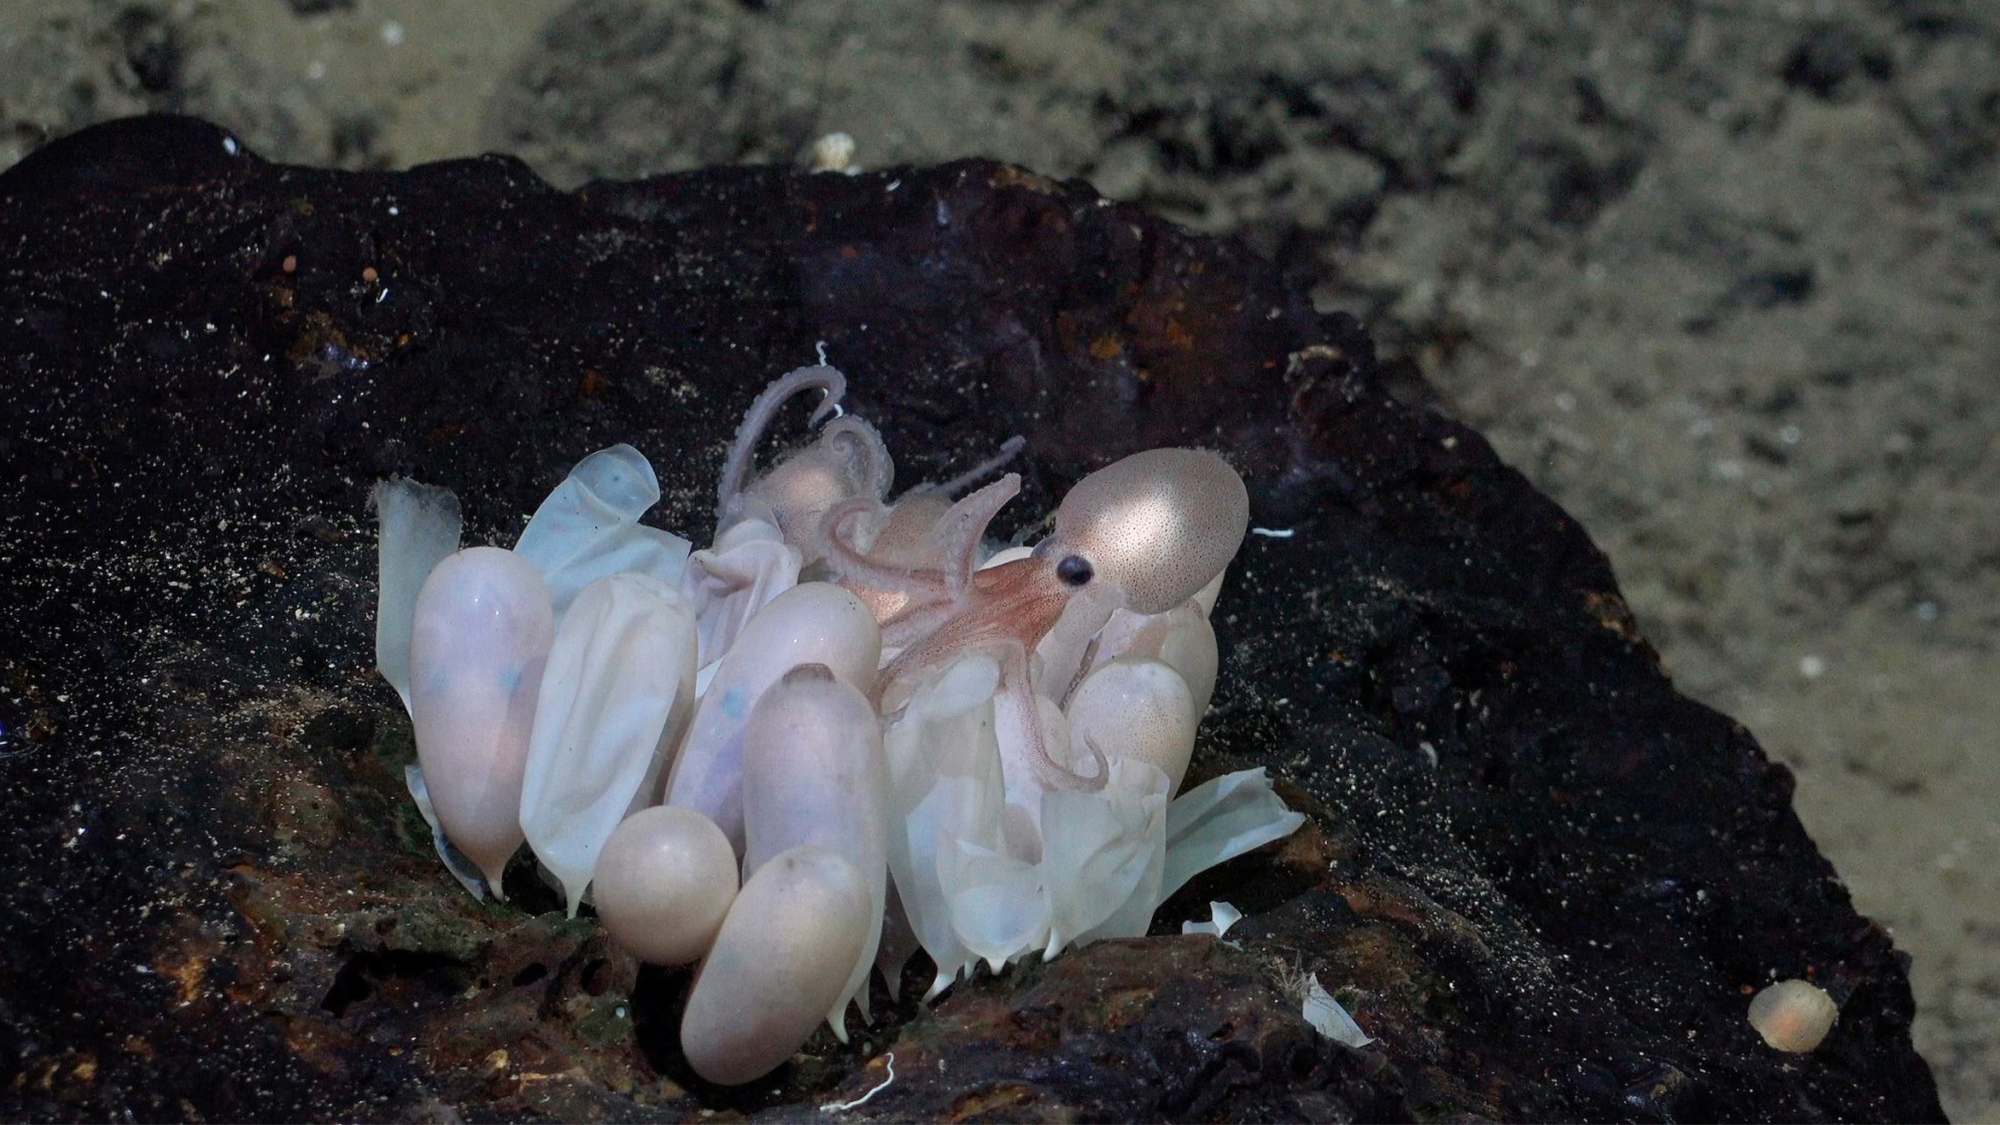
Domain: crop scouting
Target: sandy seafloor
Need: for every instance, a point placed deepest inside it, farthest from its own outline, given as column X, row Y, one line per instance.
column 1723, row 278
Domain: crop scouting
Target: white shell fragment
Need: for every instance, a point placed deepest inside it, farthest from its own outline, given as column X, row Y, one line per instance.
column 783, row 956
column 1330, row 1019
column 663, row 884
column 419, row 527
column 945, row 787
column 479, row 638
column 617, row 692
column 749, row 564
column 1793, row 1015
column 589, row 527
column 1221, row 820
column 1097, row 850
column 462, row 869
column 811, row 623
column 813, row 773
column 983, row 880
column 1221, row 916
column 834, row 152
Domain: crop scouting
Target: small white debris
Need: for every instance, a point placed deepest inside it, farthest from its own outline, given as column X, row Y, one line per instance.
column 834, row 153
column 842, row 1107
column 1329, row 1018
column 392, row 33
column 1812, row 666
column 1793, row 1015
column 1274, row 532
column 1221, row 916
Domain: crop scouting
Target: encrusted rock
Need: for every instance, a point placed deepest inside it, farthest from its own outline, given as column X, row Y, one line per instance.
column 1544, row 882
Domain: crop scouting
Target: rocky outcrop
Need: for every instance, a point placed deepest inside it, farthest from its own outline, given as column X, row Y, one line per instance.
column 1543, row 881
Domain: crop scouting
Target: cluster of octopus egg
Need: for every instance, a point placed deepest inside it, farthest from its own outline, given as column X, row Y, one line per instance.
column 841, row 733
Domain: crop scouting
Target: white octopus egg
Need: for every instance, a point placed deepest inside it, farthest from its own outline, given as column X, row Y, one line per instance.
column 664, row 882
column 782, row 959
column 1139, row 710
column 479, row 638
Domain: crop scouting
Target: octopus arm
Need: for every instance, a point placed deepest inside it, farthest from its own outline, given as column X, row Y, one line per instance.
column 1017, row 703
column 861, row 443
column 861, row 568
column 960, row 531
column 914, row 622
column 1009, row 449
column 757, row 420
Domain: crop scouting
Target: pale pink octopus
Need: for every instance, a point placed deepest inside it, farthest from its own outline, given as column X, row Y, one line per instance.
column 1146, row 532
column 847, row 462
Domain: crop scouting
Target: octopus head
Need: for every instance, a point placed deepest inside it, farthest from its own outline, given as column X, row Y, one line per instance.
column 1159, row 524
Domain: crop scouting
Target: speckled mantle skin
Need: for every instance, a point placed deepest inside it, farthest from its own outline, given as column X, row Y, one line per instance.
column 1543, row 879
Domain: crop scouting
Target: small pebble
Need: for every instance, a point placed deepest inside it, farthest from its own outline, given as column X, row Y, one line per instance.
column 1793, row 1015
column 833, row 153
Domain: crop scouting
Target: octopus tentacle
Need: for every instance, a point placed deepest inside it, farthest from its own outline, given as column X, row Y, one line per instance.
column 960, row 530
column 1082, row 668
column 1009, row 449
column 756, row 420
column 1017, row 694
column 1015, row 611
column 856, row 437
column 858, row 567
column 1011, row 610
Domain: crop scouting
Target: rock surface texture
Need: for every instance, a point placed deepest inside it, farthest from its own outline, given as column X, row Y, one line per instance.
column 1546, row 883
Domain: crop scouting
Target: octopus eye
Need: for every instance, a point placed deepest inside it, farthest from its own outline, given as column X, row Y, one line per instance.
column 1074, row 570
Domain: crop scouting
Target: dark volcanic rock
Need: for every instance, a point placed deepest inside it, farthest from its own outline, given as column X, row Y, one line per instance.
column 1546, row 882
